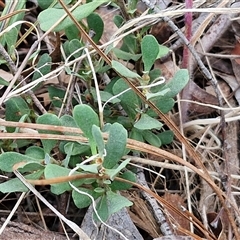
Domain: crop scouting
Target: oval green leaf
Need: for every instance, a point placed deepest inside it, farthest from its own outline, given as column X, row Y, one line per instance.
column 82, row 200
column 53, row 171
column 124, row 71
column 166, row 137
column 85, row 117
column 116, row 202
column 150, row 50
column 151, row 138
column 49, row 119
column 79, row 13
column 163, row 51
column 97, row 135
column 147, row 123
column 118, row 185
column 116, row 145
column 102, row 209
column 129, row 100
column 177, row 83
column 16, row 107
column 15, row 185
column 35, row 152
column 9, row 159
column 43, row 66
column 96, row 24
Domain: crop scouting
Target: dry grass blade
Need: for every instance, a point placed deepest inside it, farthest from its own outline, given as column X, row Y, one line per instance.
column 71, row 224
column 12, row 14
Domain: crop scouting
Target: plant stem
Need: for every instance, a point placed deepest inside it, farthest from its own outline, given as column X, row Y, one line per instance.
column 188, row 32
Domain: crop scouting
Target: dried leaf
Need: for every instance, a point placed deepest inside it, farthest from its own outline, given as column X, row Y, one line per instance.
column 177, row 201
column 215, row 223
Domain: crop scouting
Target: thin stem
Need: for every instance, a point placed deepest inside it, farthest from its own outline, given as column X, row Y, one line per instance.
column 188, row 33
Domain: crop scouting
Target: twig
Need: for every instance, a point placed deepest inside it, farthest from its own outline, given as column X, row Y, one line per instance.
column 158, row 214
column 8, row 59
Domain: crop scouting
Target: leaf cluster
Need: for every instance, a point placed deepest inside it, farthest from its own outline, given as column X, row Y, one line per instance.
column 53, row 158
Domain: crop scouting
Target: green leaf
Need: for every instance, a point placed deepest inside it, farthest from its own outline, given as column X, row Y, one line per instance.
column 161, row 93
column 124, row 120
column 132, row 4
column 136, row 134
column 15, row 185
column 30, row 167
column 43, row 66
column 177, row 83
column 92, row 168
column 166, row 137
column 124, row 71
column 118, row 185
column 115, row 146
column 97, row 135
column 147, row 123
column 43, row 4
column 116, row 202
column 9, row 159
column 49, row 119
column 73, row 148
column 11, row 38
column 112, row 173
column 35, row 152
column 3, row 82
column 75, row 45
column 16, row 107
column 68, row 121
column 125, row 55
column 151, row 138
column 67, row 54
column 19, row 5
column 154, row 74
column 85, row 118
column 23, row 142
column 118, row 20
column 164, row 104
column 129, row 100
column 79, row 13
column 105, row 96
column 130, row 44
column 53, row 171
column 82, row 200
column 163, row 51
column 96, row 24
column 72, row 32
column 102, row 209
column 99, row 190
column 150, row 50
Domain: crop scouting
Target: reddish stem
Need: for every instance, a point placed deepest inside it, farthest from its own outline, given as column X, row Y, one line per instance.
column 188, row 32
